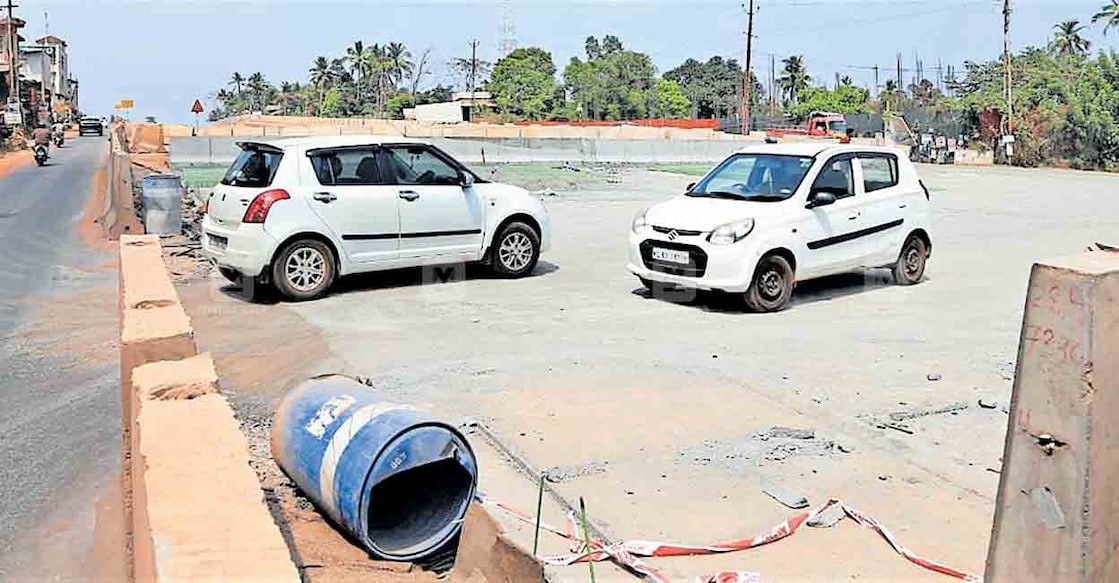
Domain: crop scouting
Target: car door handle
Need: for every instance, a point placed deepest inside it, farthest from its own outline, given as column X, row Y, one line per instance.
column 326, row 197
column 854, row 216
column 902, row 205
column 409, row 195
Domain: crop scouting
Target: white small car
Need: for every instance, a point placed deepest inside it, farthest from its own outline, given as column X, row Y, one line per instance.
column 298, row 213
column 773, row 214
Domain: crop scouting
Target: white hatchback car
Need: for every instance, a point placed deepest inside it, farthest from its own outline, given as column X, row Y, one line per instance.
column 772, row 214
column 297, row 213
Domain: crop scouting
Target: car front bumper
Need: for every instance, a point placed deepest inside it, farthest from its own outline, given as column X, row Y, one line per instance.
column 247, row 248
column 727, row 268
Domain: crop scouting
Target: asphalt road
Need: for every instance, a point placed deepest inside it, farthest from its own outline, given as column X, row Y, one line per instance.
column 59, row 416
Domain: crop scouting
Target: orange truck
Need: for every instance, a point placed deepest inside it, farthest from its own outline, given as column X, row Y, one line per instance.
column 820, row 124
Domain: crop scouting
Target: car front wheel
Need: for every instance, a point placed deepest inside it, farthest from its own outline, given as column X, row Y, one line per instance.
column 772, row 287
column 910, row 267
column 516, row 249
column 304, row 270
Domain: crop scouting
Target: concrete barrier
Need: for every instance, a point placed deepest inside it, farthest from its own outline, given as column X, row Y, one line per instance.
column 221, row 151
column 119, row 216
column 194, row 507
column 1059, row 489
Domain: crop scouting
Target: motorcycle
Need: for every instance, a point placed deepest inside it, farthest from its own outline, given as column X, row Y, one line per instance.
column 40, row 154
column 59, row 139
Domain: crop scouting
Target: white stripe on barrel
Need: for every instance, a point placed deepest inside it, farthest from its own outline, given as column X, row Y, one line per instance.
column 337, row 446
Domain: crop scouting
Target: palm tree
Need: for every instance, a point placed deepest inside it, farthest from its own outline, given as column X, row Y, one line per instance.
column 237, row 81
column 284, row 95
column 1067, row 40
column 1109, row 15
column 794, row 78
column 401, row 62
column 258, row 87
column 320, row 78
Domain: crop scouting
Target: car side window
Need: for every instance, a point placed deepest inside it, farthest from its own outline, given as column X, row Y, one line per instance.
column 419, row 165
column 837, row 178
column 347, row 167
column 879, row 172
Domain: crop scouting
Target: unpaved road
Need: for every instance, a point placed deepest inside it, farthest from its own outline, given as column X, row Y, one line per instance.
column 660, row 413
column 59, row 414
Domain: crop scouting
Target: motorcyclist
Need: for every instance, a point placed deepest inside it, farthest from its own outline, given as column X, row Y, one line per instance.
column 58, row 130
column 41, row 136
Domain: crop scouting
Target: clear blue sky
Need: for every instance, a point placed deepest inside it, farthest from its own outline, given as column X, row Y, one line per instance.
column 165, row 53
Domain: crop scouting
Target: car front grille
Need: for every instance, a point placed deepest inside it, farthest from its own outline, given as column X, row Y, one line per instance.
column 697, row 267
column 679, row 232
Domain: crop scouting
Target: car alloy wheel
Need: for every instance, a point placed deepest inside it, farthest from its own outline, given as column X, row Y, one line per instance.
column 305, row 269
column 515, row 252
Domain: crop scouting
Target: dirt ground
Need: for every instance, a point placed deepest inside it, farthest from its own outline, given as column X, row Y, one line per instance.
column 669, row 417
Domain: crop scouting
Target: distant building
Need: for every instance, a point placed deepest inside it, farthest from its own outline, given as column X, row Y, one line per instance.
column 460, row 109
column 9, row 45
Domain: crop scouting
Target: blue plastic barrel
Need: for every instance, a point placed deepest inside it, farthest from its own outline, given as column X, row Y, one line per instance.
column 397, row 481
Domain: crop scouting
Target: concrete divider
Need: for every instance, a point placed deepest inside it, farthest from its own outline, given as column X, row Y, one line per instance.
column 1059, row 489
column 119, row 216
column 221, row 151
column 194, row 507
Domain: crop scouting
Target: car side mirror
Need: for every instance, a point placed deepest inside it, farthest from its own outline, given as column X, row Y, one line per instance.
column 819, row 198
column 467, row 180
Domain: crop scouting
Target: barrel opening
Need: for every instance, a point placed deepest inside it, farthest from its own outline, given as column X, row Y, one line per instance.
column 410, row 511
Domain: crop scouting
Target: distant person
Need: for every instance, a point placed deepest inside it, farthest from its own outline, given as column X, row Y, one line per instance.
column 41, row 136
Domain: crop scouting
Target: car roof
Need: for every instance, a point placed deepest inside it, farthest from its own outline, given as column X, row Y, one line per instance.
column 315, row 142
column 812, row 148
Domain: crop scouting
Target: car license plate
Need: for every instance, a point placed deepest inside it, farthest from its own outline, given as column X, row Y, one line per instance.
column 671, row 256
column 218, row 243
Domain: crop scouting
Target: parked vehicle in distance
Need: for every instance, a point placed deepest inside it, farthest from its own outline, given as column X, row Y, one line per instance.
column 90, row 125
column 820, row 124
column 298, row 213
column 773, row 214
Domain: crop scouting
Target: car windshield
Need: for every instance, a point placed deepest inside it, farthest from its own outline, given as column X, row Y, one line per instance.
column 253, row 168
column 755, row 177
column 838, row 127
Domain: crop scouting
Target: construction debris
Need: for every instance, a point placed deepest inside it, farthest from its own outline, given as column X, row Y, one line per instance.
column 790, row 499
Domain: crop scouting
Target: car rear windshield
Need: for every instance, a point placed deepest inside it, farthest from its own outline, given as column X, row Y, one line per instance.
column 756, row 177
column 254, row 168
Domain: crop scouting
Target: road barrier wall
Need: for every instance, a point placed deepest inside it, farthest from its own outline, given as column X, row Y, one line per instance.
column 1059, row 489
column 119, row 216
column 194, row 508
column 221, row 151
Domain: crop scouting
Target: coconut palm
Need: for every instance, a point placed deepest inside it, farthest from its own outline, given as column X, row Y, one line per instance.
column 1067, row 40
column 1109, row 15
column 320, row 77
column 794, row 78
column 400, row 59
column 237, row 80
column 257, row 87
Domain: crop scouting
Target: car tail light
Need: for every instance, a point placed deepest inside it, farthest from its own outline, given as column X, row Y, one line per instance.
column 259, row 207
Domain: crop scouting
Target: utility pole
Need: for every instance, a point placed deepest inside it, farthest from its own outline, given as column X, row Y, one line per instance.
column 747, row 85
column 13, row 56
column 473, row 66
column 876, row 81
column 901, row 86
column 1009, row 79
column 772, row 85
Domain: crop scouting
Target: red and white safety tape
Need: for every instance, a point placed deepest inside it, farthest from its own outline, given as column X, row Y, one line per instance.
column 627, row 554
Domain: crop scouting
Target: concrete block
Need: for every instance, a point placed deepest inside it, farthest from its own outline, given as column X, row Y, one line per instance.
column 175, row 380
column 144, row 281
column 204, row 511
column 1059, row 490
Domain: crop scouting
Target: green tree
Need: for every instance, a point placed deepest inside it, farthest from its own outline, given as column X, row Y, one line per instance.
column 320, row 78
column 712, row 87
column 523, row 83
column 399, row 63
column 1067, row 39
column 332, row 104
column 237, row 81
column 669, row 100
column 842, row 99
column 259, row 91
column 1109, row 15
column 794, row 79
column 613, row 83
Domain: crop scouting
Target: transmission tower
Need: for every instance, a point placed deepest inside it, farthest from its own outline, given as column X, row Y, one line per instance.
column 508, row 29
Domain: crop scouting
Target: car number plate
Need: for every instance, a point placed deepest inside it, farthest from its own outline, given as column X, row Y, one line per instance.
column 218, row 243
column 671, row 256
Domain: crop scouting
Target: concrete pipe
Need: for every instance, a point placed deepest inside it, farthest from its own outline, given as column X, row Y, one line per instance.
column 398, row 482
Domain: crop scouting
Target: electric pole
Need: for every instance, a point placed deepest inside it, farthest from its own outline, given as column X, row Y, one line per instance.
column 747, row 85
column 900, row 84
column 876, row 81
column 473, row 66
column 1008, row 82
column 13, row 56
column 772, row 85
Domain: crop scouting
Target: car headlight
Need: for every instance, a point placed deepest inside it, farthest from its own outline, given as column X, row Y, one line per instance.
column 731, row 232
column 639, row 223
